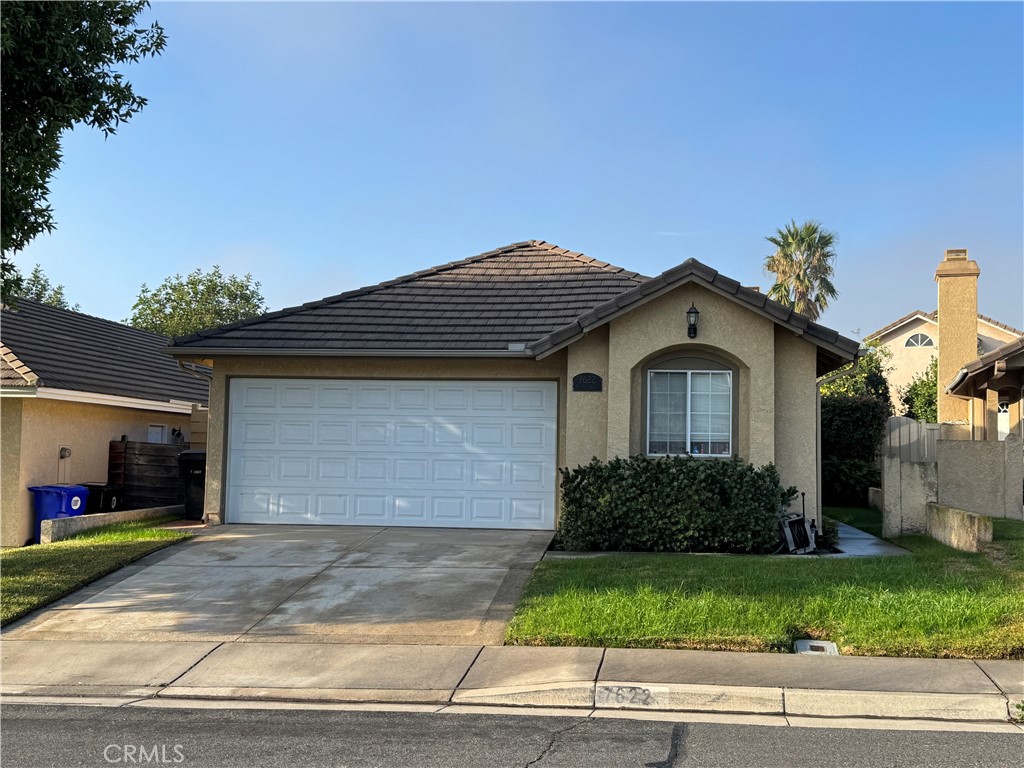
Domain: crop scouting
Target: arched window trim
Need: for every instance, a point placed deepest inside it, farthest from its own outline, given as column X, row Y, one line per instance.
column 920, row 340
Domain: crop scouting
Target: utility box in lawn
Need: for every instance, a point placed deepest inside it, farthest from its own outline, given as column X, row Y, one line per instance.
column 192, row 470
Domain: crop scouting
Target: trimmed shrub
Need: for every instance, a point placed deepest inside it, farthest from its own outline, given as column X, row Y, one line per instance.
column 828, row 534
column 845, row 482
column 852, row 428
column 672, row 504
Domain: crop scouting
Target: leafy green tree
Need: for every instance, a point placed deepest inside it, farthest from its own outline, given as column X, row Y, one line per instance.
column 58, row 71
column 38, row 287
column 184, row 305
column 920, row 397
column 803, row 265
column 870, row 379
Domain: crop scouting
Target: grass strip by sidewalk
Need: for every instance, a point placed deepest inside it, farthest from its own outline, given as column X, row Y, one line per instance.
column 34, row 576
column 936, row 603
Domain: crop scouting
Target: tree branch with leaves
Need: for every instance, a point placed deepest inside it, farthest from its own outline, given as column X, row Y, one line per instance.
column 183, row 305
column 58, row 71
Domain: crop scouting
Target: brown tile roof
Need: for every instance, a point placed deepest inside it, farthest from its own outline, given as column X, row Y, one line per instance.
column 69, row 350
column 532, row 293
column 934, row 317
column 511, row 295
column 977, row 368
column 834, row 350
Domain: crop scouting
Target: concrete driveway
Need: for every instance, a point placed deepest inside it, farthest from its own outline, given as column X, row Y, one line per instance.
column 260, row 583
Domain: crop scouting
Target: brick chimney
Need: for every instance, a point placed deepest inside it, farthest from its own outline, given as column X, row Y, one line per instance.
column 957, row 277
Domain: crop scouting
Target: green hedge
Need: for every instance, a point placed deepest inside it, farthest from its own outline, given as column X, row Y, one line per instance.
column 674, row 504
column 852, row 429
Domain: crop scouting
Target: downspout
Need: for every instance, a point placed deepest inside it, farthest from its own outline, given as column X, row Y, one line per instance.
column 861, row 352
column 207, row 377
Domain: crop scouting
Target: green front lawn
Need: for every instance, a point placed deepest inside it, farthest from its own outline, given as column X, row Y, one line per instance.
column 936, row 603
column 31, row 577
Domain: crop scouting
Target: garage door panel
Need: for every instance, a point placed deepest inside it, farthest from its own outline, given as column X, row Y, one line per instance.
column 477, row 454
column 444, row 472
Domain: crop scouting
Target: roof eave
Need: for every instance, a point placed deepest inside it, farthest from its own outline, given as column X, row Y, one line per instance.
column 213, row 352
column 610, row 310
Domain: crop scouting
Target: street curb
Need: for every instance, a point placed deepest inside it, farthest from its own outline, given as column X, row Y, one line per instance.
column 920, row 706
column 544, row 695
column 738, row 699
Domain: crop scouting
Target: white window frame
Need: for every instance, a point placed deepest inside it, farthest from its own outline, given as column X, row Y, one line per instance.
column 919, row 345
column 689, row 420
column 163, row 433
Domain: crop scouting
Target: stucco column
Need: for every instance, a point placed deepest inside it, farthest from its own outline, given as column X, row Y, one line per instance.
column 957, row 279
column 618, row 400
column 991, row 414
column 587, row 412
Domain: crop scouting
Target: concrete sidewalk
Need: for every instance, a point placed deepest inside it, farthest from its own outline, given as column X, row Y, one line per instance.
column 565, row 678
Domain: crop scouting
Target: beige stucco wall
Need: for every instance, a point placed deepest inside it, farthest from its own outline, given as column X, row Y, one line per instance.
column 743, row 337
column 46, row 426
column 908, row 362
column 796, row 423
column 10, row 472
column 957, row 279
column 587, row 412
column 552, row 368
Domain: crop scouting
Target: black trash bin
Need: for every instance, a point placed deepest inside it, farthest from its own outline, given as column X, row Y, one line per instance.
column 102, row 498
column 192, row 470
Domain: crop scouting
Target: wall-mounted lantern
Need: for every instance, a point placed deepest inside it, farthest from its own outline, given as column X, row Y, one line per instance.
column 691, row 321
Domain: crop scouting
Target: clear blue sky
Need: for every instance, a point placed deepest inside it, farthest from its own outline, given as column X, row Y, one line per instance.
column 322, row 147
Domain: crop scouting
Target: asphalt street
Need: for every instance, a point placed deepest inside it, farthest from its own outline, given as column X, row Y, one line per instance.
column 37, row 735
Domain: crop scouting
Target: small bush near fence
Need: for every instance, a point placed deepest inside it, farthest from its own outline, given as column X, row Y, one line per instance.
column 673, row 504
column 852, row 428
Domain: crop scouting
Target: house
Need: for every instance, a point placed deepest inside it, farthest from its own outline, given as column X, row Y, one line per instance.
column 451, row 396
column 993, row 386
column 69, row 384
column 914, row 338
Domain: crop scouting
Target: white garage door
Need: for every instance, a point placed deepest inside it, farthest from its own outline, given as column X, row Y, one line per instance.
column 412, row 453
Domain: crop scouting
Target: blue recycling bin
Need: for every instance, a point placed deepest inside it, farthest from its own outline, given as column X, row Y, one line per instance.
column 53, row 501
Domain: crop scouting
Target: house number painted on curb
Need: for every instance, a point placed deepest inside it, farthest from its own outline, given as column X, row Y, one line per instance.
column 586, row 382
column 625, row 696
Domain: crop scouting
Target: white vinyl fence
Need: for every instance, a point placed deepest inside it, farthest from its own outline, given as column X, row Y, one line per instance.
column 910, row 440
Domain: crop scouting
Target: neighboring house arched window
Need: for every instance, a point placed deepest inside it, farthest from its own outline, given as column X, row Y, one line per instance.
column 690, row 408
column 920, row 340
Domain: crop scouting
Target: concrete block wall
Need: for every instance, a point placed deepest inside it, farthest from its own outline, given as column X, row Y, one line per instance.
column 956, row 528
column 982, row 476
column 907, row 489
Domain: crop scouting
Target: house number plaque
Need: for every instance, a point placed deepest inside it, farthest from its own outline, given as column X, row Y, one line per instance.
column 586, row 382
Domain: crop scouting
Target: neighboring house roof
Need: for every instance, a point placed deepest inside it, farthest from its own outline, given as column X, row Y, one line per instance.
column 933, row 318
column 1009, row 355
column 526, row 299
column 59, row 349
column 13, row 372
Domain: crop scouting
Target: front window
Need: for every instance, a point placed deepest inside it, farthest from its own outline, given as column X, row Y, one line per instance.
column 689, row 412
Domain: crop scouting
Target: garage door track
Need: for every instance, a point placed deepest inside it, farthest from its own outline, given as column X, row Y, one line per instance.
column 259, row 583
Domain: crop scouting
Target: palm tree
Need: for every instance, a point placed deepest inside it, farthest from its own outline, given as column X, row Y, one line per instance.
column 803, row 266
